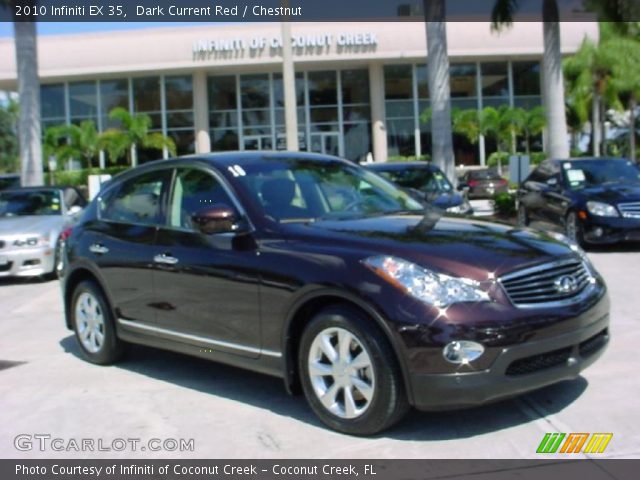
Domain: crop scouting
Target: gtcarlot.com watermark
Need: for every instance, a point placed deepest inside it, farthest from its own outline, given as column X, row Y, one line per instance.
column 43, row 442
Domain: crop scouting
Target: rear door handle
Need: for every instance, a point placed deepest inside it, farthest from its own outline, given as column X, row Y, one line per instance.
column 98, row 248
column 166, row 259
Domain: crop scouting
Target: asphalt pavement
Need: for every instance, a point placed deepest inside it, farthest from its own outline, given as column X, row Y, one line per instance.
column 45, row 388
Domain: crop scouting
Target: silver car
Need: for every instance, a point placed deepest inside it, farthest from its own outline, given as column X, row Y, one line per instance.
column 32, row 221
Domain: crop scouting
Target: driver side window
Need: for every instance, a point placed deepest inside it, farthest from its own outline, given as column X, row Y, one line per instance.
column 194, row 190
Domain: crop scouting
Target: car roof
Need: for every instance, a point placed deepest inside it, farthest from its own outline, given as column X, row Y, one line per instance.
column 388, row 166
column 589, row 159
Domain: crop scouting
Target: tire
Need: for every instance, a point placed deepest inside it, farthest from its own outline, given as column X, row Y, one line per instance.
column 523, row 216
column 93, row 324
column 378, row 377
column 573, row 228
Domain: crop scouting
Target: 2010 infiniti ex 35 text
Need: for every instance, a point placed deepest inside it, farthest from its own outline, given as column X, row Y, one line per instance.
column 312, row 269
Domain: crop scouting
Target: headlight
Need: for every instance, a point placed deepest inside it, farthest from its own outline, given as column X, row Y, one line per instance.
column 30, row 241
column 600, row 209
column 433, row 288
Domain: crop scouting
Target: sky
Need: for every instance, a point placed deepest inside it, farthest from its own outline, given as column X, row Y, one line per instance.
column 54, row 28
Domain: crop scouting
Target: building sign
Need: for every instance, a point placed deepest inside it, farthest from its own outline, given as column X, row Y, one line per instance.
column 314, row 44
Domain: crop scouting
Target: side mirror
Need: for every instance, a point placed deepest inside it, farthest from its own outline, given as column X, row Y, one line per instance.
column 75, row 210
column 216, row 219
column 552, row 182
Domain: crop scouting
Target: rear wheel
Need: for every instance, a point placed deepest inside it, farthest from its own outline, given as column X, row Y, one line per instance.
column 93, row 325
column 350, row 375
column 573, row 228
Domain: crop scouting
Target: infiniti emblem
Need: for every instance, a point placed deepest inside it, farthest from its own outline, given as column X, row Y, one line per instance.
column 566, row 284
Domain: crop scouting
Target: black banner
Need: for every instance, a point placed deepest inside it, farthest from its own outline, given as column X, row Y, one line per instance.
column 302, row 10
column 585, row 469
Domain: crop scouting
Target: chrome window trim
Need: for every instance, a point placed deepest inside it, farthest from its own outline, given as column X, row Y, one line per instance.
column 198, row 338
column 588, row 289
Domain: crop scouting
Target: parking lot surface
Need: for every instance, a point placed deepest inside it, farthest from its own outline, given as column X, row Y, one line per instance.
column 45, row 388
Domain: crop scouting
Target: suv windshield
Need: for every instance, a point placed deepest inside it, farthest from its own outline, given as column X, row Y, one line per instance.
column 37, row 202
column 304, row 190
column 591, row 173
column 421, row 179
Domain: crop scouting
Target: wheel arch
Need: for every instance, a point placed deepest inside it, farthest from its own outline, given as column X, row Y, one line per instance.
column 72, row 280
column 303, row 310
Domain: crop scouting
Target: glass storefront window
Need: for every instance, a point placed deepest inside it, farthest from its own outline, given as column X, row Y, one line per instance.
column 495, row 80
column 146, row 94
column 113, row 93
column 52, row 103
column 83, row 103
column 463, row 80
column 323, row 88
column 355, row 86
column 526, row 78
column 398, row 82
column 179, row 92
column 401, row 137
column 423, row 81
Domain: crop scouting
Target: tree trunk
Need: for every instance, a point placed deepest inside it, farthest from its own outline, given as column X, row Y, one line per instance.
column 632, row 128
column 596, row 139
column 439, row 88
column 553, row 82
column 29, row 134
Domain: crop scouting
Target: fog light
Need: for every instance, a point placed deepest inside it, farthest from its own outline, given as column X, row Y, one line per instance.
column 598, row 232
column 462, row 352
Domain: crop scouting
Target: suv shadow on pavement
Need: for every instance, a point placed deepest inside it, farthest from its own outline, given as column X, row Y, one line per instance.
column 268, row 393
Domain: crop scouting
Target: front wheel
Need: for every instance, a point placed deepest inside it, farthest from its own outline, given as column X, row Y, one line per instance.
column 573, row 228
column 93, row 325
column 350, row 375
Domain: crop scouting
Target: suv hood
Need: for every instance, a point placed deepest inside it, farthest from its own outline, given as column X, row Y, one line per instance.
column 462, row 247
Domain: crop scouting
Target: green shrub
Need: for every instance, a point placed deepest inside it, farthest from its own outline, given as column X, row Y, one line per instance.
column 492, row 161
column 77, row 178
column 504, row 204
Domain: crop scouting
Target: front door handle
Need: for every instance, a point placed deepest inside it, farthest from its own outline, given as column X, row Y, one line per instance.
column 98, row 248
column 166, row 259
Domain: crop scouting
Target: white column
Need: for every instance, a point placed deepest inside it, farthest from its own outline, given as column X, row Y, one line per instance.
column 201, row 112
column 378, row 128
column 289, row 86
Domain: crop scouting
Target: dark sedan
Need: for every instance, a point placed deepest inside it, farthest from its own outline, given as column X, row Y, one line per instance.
column 425, row 182
column 592, row 200
column 317, row 271
column 484, row 183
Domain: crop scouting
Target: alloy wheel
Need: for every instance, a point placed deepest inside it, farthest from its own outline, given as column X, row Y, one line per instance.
column 90, row 322
column 341, row 373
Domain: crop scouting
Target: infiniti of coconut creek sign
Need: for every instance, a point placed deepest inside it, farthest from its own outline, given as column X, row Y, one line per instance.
column 310, row 44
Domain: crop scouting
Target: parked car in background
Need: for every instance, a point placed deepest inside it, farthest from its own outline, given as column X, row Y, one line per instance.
column 592, row 200
column 484, row 183
column 425, row 182
column 315, row 270
column 31, row 223
column 9, row 180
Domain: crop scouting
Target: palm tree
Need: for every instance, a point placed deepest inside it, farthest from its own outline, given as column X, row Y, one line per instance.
column 135, row 133
column 589, row 74
column 552, row 78
column 29, row 92
column 534, row 122
column 439, row 87
column 73, row 142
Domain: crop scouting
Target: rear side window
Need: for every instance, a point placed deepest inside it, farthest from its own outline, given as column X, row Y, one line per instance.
column 137, row 201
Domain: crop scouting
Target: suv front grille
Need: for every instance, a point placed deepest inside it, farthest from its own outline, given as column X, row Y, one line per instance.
column 630, row 210
column 557, row 283
column 536, row 363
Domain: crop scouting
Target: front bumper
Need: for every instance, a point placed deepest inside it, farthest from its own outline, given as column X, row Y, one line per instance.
column 605, row 230
column 517, row 369
column 27, row 262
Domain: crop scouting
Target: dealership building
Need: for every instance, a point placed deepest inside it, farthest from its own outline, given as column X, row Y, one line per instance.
column 360, row 87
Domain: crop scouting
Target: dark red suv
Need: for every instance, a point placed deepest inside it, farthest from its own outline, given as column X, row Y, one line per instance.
column 312, row 269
